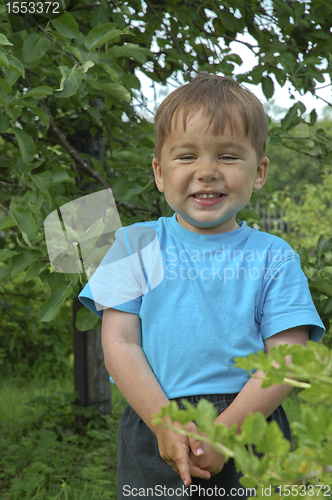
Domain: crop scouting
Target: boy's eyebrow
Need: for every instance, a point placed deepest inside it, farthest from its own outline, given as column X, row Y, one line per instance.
column 181, row 146
column 235, row 145
column 232, row 145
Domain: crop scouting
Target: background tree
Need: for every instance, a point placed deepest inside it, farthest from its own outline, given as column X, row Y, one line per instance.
column 76, row 76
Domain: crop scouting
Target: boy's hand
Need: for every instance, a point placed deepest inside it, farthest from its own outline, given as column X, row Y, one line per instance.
column 175, row 448
column 209, row 460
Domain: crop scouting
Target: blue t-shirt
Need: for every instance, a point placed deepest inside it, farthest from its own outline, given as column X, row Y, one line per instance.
column 203, row 299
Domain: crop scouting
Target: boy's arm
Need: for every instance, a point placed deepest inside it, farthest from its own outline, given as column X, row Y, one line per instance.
column 131, row 372
column 252, row 398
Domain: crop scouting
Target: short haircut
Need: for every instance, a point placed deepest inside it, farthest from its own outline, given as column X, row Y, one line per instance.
column 222, row 98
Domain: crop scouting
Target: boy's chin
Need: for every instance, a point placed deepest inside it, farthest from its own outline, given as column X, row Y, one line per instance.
column 218, row 226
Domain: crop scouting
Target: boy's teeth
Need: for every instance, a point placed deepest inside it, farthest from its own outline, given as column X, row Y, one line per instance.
column 205, row 195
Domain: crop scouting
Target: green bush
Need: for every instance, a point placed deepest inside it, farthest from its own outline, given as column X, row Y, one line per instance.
column 309, row 465
column 29, row 348
column 51, row 449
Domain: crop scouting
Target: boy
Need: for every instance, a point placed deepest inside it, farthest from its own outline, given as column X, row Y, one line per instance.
column 227, row 290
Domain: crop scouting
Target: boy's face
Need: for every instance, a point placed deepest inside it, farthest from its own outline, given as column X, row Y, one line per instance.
column 207, row 179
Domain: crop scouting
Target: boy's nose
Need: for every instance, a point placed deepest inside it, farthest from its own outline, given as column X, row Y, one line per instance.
column 207, row 171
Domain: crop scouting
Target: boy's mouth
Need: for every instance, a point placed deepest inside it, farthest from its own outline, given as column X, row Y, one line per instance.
column 207, row 199
column 207, row 195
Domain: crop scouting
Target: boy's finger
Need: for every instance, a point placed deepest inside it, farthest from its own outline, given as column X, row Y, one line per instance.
column 195, row 444
column 183, row 467
column 196, row 447
column 196, row 471
column 187, row 470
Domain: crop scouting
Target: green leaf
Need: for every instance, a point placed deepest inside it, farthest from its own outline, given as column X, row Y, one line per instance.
column 76, row 53
column 111, row 72
column 323, row 285
column 86, row 320
column 51, row 307
column 60, row 175
column 5, row 270
column 91, row 236
column 23, row 260
column 100, row 35
column 66, row 25
column 7, row 222
column 70, row 81
column 234, row 58
column 323, row 245
column 16, row 65
column 114, row 89
column 43, row 181
column 112, row 64
column 254, row 427
column 4, row 40
column 38, row 92
column 292, row 117
column 227, row 20
column 6, row 254
column 313, row 117
column 3, row 60
column 130, row 158
column 87, row 65
column 35, row 47
column 268, row 87
column 135, row 52
column 35, row 269
column 26, row 144
column 4, row 101
column 25, row 222
column 5, row 86
column 4, row 123
column 95, row 114
column 44, row 117
column 132, row 191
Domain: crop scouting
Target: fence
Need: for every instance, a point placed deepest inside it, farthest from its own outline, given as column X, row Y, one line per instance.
column 271, row 219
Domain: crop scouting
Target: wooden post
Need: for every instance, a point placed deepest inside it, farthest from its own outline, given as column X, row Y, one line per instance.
column 91, row 379
column 90, row 375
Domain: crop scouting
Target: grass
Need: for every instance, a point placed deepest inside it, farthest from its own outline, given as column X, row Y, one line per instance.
column 46, row 452
column 53, row 450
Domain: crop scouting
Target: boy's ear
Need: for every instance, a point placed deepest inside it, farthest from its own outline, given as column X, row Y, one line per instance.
column 158, row 175
column 261, row 174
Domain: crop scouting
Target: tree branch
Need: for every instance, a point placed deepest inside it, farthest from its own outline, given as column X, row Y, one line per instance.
column 73, row 153
column 5, row 209
column 169, row 32
column 10, row 184
column 324, row 100
column 81, row 162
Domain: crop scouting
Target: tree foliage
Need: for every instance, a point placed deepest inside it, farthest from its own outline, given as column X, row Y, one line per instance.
column 310, row 215
column 71, row 83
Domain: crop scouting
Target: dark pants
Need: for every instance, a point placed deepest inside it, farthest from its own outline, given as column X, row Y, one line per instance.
column 142, row 471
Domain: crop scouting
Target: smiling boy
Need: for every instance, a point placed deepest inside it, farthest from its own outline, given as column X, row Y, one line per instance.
column 208, row 178
column 180, row 339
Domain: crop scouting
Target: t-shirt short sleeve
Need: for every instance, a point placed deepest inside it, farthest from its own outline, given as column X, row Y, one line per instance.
column 286, row 301
column 131, row 267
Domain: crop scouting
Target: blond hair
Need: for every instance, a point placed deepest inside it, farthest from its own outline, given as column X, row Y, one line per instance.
column 220, row 97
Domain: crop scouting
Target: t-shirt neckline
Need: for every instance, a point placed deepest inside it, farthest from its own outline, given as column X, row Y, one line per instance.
column 202, row 239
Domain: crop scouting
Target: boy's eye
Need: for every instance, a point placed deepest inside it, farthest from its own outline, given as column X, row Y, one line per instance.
column 187, row 157
column 228, row 157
